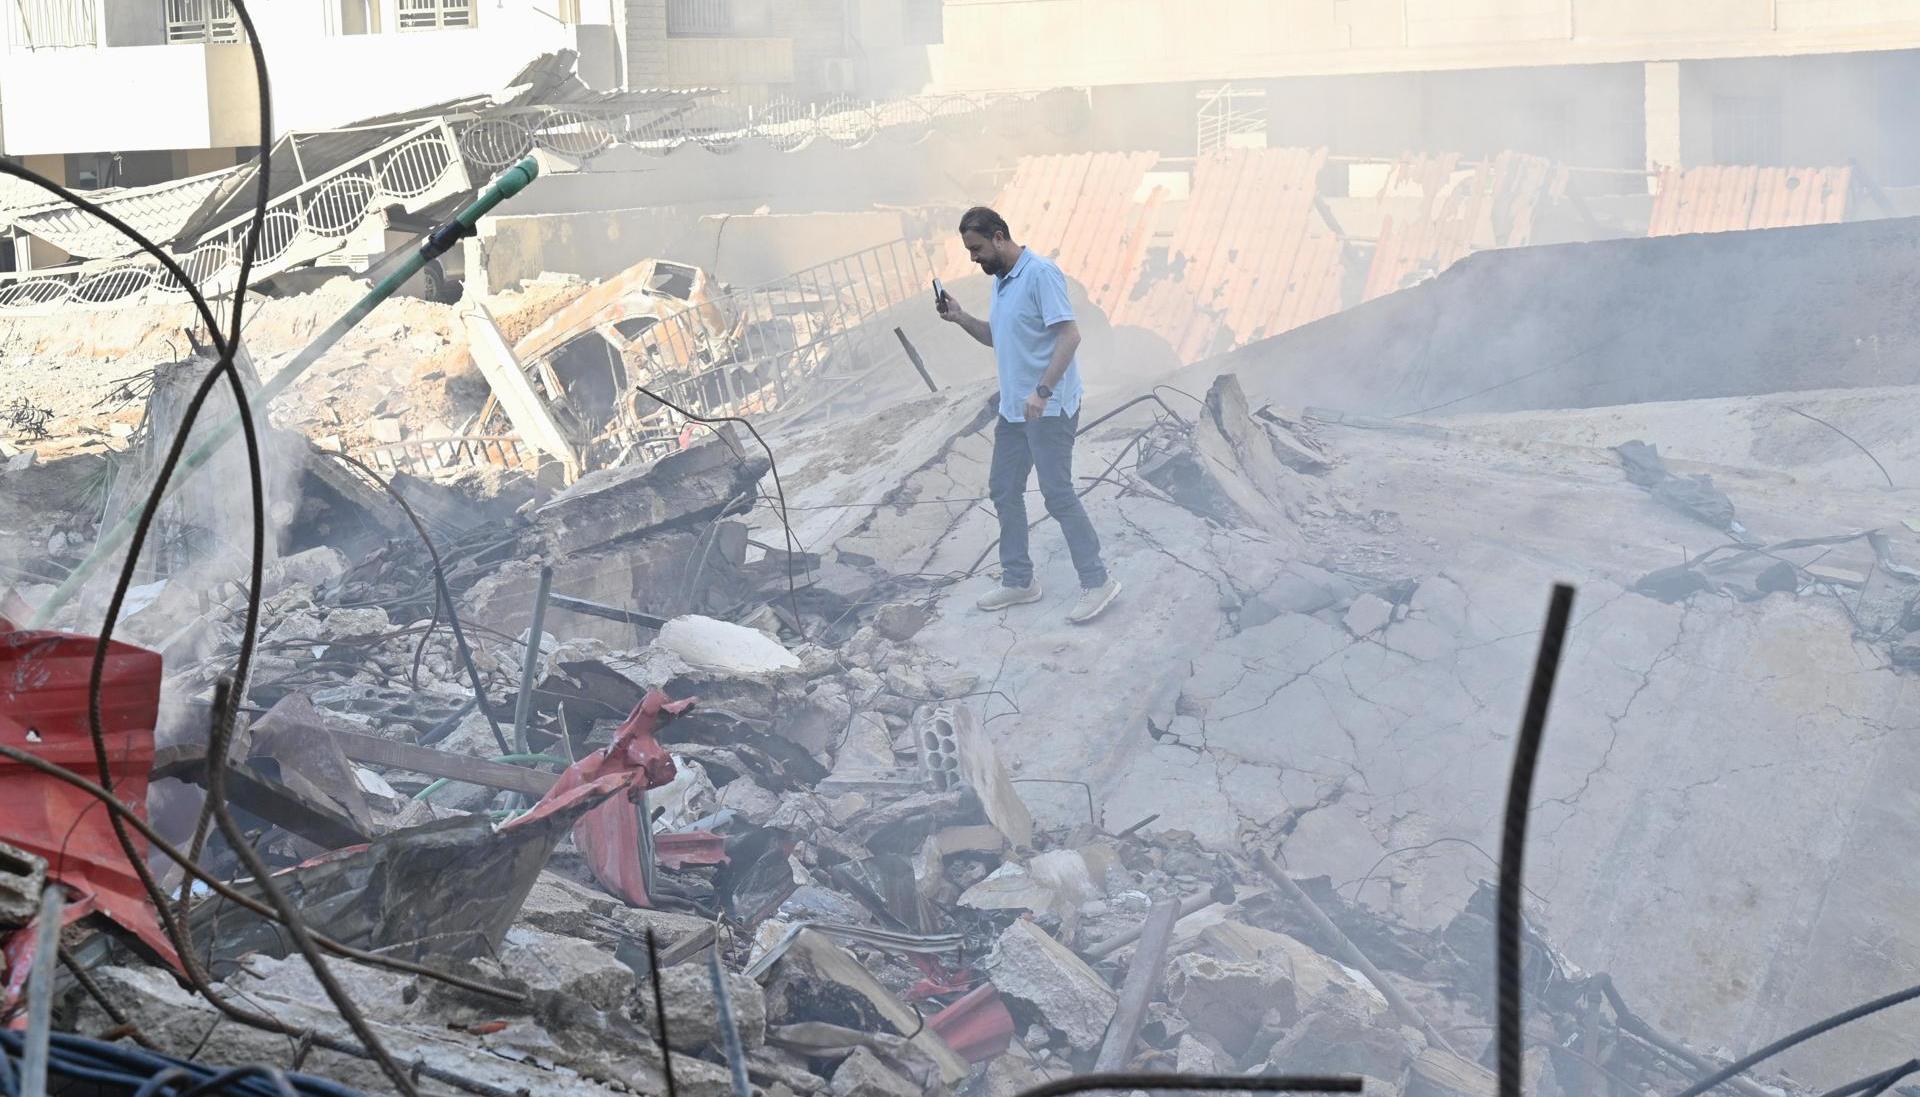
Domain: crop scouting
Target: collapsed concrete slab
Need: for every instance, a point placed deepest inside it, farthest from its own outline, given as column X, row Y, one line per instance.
column 683, row 489
column 1230, row 1000
column 862, row 1074
column 1053, row 985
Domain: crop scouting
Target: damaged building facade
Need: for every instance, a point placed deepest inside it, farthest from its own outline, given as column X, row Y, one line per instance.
column 613, row 715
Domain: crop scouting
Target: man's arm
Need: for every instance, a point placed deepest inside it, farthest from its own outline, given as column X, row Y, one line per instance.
column 1066, row 340
column 970, row 324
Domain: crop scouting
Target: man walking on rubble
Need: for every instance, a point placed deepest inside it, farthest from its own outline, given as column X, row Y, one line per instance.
column 1034, row 339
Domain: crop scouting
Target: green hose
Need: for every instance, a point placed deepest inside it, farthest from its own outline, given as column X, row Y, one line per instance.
column 518, row 759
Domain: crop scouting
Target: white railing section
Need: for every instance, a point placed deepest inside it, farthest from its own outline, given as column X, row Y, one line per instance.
column 450, row 154
column 417, row 168
column 190, row 21
column 1227, row 113
column 431, row 14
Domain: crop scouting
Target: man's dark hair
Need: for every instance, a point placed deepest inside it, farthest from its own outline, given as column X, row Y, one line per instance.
column 984, row 221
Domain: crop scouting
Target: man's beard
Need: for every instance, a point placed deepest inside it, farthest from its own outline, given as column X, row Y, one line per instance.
column 993, row 266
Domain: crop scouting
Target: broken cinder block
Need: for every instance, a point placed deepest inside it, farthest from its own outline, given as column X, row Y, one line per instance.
column 23, row 876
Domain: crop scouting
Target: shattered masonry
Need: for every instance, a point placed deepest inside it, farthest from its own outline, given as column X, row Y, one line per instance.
column 764, row 746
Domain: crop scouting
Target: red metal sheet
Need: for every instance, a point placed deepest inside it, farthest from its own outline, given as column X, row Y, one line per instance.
column 609, row 835
column 1494, row 207
column 1081, row 210
column 43, row 709
column 977, row 1026
column 1248, row 258
column 1733, row 197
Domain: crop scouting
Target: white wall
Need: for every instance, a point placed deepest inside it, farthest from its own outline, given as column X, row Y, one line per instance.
column 1031, row 44
column 149, row 97
column 199, row 96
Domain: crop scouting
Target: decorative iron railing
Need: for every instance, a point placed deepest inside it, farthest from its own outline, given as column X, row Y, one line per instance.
column 425, row 162
column 416, row 168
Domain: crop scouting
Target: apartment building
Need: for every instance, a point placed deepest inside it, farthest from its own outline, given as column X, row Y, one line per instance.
column 759, row 51
column 1620, row 84
column 119, row 93
column 124, row 92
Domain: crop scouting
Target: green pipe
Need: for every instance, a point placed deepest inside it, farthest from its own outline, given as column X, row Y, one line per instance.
column 511, row 182
column 511, row 758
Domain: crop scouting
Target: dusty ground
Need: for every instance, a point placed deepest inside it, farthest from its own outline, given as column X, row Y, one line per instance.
column 1211, row 699
column 1760, row 432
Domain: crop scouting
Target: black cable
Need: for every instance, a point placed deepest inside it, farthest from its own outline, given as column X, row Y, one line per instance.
column 1212, row 1083
column 1803, row 1035
column 118, row 1069
column 1848, row 437
column 107, row 1005
column 1083, row 492
column 1514, row 840
column 263, row 878
column 227, row 892
column 660, row 1011
column 1875, row 1084
column 793, row 597
column 224, row 367
column 446, row 597
column 227, row 349
column 274, row 1076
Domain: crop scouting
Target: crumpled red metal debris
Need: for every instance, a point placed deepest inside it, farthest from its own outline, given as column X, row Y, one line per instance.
column 977, row 1026
column 43, row 710
column 609, row 835
column 690, row 847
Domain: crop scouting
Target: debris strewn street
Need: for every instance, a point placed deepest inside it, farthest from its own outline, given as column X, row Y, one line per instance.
column 615, row 712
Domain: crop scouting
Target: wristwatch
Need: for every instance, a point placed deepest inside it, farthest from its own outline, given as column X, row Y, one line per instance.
column 1045, row 392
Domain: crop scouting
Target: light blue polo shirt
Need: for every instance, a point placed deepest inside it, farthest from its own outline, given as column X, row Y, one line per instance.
column 1028, row 300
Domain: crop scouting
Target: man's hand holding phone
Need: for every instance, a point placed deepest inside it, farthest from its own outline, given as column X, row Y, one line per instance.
column 945, row 305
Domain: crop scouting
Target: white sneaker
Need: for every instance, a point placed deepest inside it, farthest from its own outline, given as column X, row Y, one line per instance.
column 1094, row 602
column 1003, row 597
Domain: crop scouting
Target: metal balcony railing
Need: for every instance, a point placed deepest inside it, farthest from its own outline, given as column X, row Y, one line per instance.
column 796, row 341
column 41, row 24
column 191, row 21
column 425, row 162
column 419, row 166
column 1227, row 113
column 433, row 14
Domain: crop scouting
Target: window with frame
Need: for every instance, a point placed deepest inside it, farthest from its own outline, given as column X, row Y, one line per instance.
column 1747, row 130
column 719, row 18
column 434, row 14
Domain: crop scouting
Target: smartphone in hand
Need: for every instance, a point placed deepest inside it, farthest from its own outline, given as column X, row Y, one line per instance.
column 940, row 298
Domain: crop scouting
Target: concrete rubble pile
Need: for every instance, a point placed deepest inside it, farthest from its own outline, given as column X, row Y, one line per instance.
column 655, row 741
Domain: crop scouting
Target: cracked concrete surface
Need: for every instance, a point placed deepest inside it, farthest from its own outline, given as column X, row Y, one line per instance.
column 1707, row 765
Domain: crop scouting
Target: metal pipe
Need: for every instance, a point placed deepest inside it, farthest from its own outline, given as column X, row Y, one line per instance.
column 729, row 1035
column 523, row 706
column 46, row 948
column 1349, row 951
column 511, row 182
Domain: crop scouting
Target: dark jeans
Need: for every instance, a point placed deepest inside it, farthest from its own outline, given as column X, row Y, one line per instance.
column 1045, row 444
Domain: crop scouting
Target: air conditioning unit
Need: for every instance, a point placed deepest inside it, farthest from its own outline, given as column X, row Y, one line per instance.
column 840, row 74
